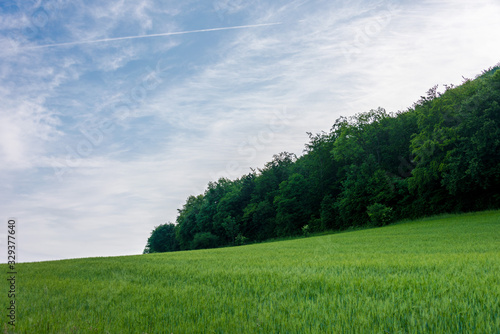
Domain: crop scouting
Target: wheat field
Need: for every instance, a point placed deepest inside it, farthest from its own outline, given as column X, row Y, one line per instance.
column 437, row 275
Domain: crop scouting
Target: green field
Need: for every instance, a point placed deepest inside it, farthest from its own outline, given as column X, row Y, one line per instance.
column 438, row 275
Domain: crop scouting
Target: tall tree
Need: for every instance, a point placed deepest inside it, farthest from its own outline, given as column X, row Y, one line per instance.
column 162, row 239
column 293, row 210
column 187, row 223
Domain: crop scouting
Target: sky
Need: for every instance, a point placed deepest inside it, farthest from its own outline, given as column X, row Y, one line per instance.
column 113, row 112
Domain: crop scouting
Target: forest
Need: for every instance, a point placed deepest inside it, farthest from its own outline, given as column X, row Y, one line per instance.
column 442, row 155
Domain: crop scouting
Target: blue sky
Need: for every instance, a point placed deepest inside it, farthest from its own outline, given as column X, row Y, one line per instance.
column 103, row 137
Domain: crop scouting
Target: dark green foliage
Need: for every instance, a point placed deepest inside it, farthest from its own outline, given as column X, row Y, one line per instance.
column 441, row 155
column 457, row 148
column 258, row 221
column 187, row 221
column 306, row 230
column 362, row 187
column 162, row 239
column 329, row 214
column 291, row 202
column 240, row 240
column 205, row 240
column 231, row 228
column 380, row 214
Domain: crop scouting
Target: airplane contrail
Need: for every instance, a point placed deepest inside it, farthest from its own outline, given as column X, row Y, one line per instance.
column 151, row 35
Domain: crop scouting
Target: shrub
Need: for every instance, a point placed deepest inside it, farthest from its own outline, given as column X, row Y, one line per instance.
column 240, row 239
column 380, row 214
column 315, row 225
column 305, row 230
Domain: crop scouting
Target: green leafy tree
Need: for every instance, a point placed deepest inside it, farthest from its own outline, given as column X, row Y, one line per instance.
column 470, row 170
column 259, row 221
column 362, row 136
column 320, row 172
column 209, row 208
column 162, row 239
column 293, row 210
column 187, row 223
column 231, row 228
column 362, row 187
column 328, row 214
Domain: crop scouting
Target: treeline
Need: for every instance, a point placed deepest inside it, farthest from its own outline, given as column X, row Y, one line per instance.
column 441, row 155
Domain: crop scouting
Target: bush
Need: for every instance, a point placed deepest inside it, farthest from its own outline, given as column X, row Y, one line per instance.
column 305, row 230
column 315, row 225
column 205, row 240
column 240, row 239
column 380, row 214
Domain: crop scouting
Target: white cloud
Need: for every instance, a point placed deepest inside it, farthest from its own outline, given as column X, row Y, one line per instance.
column 24, row 129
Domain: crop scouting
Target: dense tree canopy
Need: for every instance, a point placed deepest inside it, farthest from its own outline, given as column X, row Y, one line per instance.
column 441, row 155
column 162, row 239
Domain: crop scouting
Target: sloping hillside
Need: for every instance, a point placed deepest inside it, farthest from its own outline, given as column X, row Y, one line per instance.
column 437, row 275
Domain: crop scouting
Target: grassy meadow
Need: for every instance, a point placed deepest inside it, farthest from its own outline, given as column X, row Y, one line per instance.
column 437, row 275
